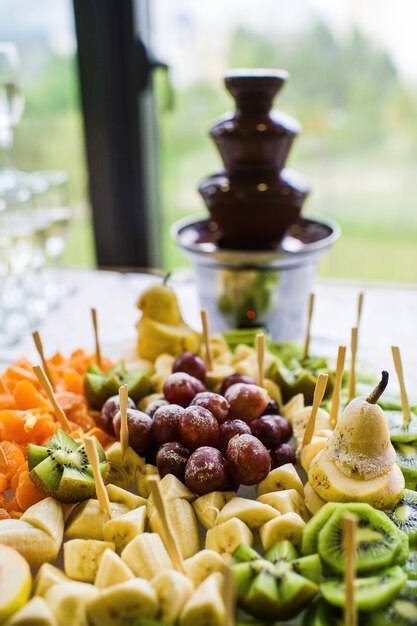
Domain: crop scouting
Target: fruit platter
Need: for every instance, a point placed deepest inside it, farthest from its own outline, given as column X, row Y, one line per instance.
column 206, row 480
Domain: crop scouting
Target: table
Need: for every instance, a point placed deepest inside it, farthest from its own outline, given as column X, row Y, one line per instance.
column 389, row 317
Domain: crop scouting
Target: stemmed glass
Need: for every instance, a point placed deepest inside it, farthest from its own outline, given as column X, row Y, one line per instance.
column 12, row 105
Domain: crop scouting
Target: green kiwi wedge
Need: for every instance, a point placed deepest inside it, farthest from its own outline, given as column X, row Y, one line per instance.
column 371, row 593
column 313, row 527
column 322, row 614
column 410, row 566
column 402, row 611
column 407, row 462
column 99, row 386
column 61, row 468
column 277, row 586
column 377, row 539
column 404, row 515
column 244, row 554
column 398, row 431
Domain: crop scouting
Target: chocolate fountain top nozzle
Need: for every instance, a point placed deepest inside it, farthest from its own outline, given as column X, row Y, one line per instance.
column 254, row 89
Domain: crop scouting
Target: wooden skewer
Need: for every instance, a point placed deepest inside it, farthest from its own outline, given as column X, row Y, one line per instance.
column 260, row 354
column 317, row 399
column 352, row 371
column 349, row 527
column 404, row 398
column 335, row 403
column 47, row 387
column 3, row 458
column 309, row 318
column 38, row 343
column 359, row 312
column 206, row 338
column 124, row 431
column 102, row 495
column 96, row 338
column 171, row 541
column 229, row 595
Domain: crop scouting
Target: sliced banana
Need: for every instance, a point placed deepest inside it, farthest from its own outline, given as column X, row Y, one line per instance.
column 121, row 530
column 206, row 605
column 68, row 602
column 293, row 406
column 35, row 613
column 281, row 478
column 87, row 519
column 47, row 576
column 123, row 467
column 122, row 496
column 287, row 501
column 254, row 514
column 173, row 590
column 289, row 526
column 226, row 537
column 312, row 499
column 184, row 524
column 123, row 603
column 141, row 478
column 146, row 555
column 111, row 570
column 201, row 565
column 82, row 558
column 35, row 545
column 208, row 507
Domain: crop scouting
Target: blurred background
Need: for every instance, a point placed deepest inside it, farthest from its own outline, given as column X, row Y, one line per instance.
column 353, row 86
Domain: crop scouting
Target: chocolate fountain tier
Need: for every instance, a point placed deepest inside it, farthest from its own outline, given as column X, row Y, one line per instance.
column 254, row 210
column 254, row 200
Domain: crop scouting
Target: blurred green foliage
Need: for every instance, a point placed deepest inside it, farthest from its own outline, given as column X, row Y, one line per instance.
column 358, row 148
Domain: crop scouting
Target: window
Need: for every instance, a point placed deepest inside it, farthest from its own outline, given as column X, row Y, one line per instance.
column 353, row 86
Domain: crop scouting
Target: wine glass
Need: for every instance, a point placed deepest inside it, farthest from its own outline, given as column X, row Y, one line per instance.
column 12, row 105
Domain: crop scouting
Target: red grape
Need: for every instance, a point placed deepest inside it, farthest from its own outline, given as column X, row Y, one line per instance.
column 230, row 429
column 154, row 406
column 272, row 408
column 191, row 364
column 180, row 388
column 270, row 429
column 139, row 427
column 213, row 402
column 108, row 411
column 248, row 459
column 233, row 379
column 165, row 423
column 282, row 454
column 247, row 402
column 172, row 458
column 206, row 471
column 198, row 427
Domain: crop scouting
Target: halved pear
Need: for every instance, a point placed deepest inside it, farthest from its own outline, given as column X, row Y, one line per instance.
column 333, row 486
column 15, row 582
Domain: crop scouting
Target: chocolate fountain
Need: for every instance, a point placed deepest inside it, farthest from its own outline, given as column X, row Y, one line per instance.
column 255, row 257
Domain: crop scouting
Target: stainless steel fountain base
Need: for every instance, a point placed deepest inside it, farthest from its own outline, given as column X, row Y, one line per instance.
column 268, row 288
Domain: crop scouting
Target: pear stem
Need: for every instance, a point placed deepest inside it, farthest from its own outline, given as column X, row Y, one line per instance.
column 379, row 389
column 166, row 279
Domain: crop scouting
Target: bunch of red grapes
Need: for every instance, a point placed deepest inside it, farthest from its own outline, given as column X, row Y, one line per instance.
column 210, row 441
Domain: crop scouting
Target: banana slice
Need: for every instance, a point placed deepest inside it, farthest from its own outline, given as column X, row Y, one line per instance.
column 300, row 419
column 87, row 519
column 184, row 524
column 201, row 565
column 141, row 478
column 111, row 570
column 206, row 605
column 47, row 576
column 127, row 498
column 35, row 613
column 307, row 454
column 35, row 545
column 293, row 406
column 123, row 603
column 226, row 537
column 208, row 507
column 312, row 499
column 124, row 528
column 254, row 514
column 287, row 501
column 47, row 516
column 171, row 489
column 281, row 478
column 68, row 602
column 173, row 590
column 273, row 390
column 146, row 555
column 123, row 468
column 289, row 526
column 82, row 558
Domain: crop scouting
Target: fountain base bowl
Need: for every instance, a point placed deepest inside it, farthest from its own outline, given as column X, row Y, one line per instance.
column 256, row 288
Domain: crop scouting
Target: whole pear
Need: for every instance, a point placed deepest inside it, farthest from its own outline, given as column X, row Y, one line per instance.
column 160, row 303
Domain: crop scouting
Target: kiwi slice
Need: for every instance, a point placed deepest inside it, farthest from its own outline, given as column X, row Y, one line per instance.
column 377, row 539
column 371, row 593
column 404, row 515
column 410, row 566
column 313, row 527
column 99, row 386
column 398, row 431
column 402, row 611
column 61, row 469
column 277, row 588
column 244, row 554
column 407, row 461
column 322, row 614
column 403, row 549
